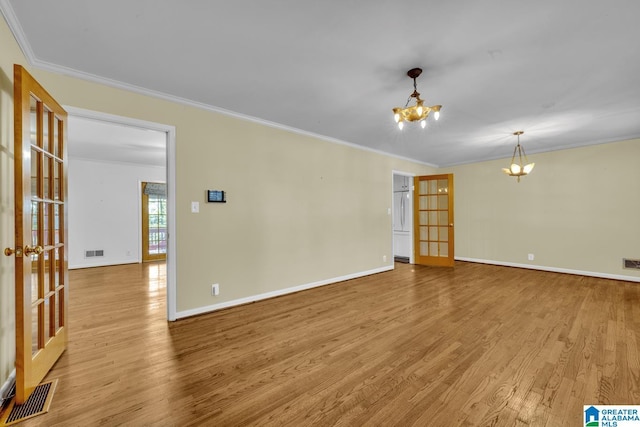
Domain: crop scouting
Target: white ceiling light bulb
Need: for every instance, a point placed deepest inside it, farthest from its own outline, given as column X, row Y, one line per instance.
column 423, row 123
column 528, row 168
column 400, row 125
column 436, row 115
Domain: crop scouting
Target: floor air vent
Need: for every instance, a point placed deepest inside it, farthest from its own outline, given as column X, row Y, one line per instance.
column 94, row 253
column 38, row 403
column 631, row 263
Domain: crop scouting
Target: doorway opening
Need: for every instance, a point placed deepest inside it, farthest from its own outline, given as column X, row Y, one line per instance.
column 132, row 149
column 402, row 217
column 154, row 221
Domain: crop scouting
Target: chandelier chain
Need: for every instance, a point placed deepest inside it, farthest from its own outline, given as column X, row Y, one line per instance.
column 520, row 165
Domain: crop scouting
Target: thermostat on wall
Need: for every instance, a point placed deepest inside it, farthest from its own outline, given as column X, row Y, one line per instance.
column 215, row 196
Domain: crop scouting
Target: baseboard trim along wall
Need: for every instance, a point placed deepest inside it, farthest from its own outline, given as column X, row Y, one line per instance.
column 6, row 387
column 553, row 269
column 280, row 292
column 103, row 264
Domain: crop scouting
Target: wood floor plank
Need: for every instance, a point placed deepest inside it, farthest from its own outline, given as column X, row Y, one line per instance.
column 471, row 346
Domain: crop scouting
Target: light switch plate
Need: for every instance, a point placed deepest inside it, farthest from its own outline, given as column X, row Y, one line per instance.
column 195, row 207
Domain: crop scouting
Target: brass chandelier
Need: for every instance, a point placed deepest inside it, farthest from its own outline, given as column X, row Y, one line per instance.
column 417, row 112
column 519, row 168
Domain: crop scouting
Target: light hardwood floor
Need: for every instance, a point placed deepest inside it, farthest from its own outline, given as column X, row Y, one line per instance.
column 477, row 345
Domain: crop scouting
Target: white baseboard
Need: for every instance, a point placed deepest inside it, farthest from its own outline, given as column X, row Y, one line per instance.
column 6, row 387
column 553, row 269
column 103, row 264
column 280, row 292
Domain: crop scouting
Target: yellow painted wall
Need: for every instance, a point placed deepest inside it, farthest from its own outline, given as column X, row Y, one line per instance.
column 300, row 210
column 578, row 210
column 9, row 53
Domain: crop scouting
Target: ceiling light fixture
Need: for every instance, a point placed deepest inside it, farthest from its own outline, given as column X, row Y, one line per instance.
column 416, row 112
column 520, row 168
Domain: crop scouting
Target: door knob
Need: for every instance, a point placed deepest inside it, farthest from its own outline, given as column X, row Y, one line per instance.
column 11, row 251
column 37, row 250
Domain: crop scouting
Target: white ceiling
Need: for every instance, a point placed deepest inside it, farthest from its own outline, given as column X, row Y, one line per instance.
column 106, row 141
column 564, row 71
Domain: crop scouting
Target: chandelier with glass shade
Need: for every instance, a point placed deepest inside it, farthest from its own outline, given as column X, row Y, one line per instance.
column 520, row 165
column 418, row 112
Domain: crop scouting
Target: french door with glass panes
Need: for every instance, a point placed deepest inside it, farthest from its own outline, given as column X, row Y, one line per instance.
column 154, row 221
column 433, row 220
column 41, row 273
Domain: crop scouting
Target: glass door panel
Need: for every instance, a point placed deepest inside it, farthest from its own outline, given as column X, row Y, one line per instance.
column 39, row 149
column 154, row 221
column 434, row 220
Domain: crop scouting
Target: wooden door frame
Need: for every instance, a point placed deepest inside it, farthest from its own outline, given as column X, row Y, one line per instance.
column 443, row 262
column 170, row 132
column 50, row 150
column 144, row 227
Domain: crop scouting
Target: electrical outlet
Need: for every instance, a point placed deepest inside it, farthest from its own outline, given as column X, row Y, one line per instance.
column 531, row 257
column 215, row 289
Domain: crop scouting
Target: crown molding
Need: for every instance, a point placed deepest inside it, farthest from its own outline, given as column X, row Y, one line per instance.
column 603, row 141
column 16, row 29
column 47, row 66
column 21, row 38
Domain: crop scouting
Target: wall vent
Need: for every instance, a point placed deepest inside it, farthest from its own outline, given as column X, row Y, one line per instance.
column 631, row 263
column 94, row 253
